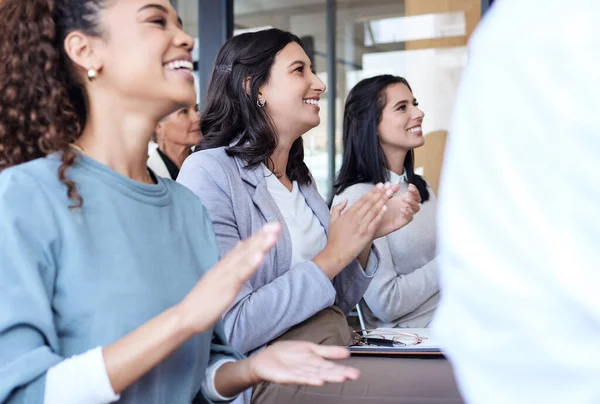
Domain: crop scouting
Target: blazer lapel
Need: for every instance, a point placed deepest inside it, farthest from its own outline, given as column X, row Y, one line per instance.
column 257, row 188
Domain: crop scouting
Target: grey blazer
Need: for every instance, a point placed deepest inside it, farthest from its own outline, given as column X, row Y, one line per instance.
column 278, row 296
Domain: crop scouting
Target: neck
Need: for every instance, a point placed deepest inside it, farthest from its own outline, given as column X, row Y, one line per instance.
column 176, row 152
column 286, row 136
column 118, row 140
column 280, row 158
column 395, row 159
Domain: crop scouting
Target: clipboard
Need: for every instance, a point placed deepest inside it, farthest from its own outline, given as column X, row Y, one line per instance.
column 405, row 345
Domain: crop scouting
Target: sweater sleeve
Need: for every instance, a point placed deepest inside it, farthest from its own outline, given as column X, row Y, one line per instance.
column 220, row 353
column 352, row 283
column 390, row 295
column 260, row 313
column 28, row 338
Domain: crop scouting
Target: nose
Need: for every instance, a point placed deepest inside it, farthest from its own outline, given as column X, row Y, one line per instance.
column 318, row 85
column 418, row 115
column 195, row 116
column 183, row 40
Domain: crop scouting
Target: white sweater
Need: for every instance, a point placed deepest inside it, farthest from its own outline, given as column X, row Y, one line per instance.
column 404, row 292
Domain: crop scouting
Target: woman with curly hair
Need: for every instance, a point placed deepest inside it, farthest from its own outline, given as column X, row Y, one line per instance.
column 108, row 292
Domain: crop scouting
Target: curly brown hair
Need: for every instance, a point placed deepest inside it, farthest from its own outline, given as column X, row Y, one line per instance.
column 42, row 100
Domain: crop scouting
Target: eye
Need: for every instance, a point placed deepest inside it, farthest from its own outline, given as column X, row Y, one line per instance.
column 159, row 20
column 401, row 108
column 184, row 111
column 299, row 69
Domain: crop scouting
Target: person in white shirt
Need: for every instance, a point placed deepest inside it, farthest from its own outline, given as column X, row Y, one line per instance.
column 175, row 136
column 519, row 218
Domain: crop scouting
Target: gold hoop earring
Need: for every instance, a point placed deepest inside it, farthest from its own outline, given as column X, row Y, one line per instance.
column 92, row 73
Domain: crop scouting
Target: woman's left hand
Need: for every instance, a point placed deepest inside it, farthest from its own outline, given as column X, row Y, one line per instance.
column 400, row 212
column 300, row 362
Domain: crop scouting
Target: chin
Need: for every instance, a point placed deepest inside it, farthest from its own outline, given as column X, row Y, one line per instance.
column 313, row 123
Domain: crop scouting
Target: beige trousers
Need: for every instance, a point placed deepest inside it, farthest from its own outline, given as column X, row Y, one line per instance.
column 383, row 380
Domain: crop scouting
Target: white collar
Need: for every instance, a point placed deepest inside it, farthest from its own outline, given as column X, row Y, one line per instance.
column 397, row 179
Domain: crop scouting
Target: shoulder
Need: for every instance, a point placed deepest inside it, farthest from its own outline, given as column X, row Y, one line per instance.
column 29, row 177
column 215, row 164
column 212, row 159
column 352, row 193
column 184, row 198
column 31, row 196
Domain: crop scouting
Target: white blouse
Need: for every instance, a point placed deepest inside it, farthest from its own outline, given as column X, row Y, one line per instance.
column 307, row 234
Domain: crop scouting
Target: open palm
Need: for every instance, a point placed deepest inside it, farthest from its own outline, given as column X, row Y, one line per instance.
column 300, row 362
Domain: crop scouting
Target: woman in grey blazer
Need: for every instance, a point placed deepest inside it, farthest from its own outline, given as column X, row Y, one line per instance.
column 262, row 98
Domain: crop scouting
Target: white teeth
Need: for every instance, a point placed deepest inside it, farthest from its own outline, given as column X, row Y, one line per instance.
column 180, row 64
column 416, row 129
column 311, row 101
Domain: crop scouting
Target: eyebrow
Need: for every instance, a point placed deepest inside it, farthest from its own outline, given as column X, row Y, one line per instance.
column 161, row 8
column 158, row 6
column 402, row 102
column 298, row 62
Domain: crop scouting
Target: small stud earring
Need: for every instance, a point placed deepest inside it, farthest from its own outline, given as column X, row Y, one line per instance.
column 92, row 73
column 261, row 102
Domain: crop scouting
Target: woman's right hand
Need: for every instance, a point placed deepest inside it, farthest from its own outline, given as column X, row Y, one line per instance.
column 353, row 229
column 218, row 288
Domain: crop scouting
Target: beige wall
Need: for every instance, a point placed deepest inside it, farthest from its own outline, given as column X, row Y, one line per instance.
column 429, row 158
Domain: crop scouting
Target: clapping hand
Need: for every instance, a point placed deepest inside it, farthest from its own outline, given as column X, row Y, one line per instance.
column 400, row 211
column 218, row 288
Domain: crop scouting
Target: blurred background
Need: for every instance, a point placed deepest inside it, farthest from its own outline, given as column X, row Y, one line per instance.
column 348, row 40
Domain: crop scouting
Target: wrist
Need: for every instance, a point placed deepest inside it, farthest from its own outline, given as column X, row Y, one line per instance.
column 330, row 261
column 185, row 320
column 251, row 373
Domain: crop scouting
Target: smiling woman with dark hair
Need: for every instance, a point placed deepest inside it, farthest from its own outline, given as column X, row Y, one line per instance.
column 262, row 97
column 382, row 127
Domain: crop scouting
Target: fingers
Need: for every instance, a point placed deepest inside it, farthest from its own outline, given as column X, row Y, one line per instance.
column 337, row 210
column 378, row 207
column 414, row 193
column 320, row 372
column 331, row 351
column 412, row 199
column 365, row 201
column 245, row 258
column 374, row 201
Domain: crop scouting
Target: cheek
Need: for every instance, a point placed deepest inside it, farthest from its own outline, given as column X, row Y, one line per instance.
column 136, row 62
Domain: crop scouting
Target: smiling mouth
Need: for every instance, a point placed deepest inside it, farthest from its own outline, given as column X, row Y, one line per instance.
column 311, row 101
column 416, row 129
column 180, row 65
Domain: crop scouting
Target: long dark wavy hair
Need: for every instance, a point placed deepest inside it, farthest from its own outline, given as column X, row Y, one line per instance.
column 231, row 114
column 42, row 99
column 363, row 157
